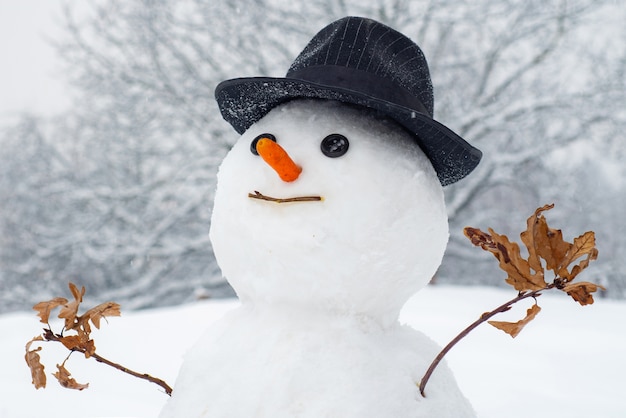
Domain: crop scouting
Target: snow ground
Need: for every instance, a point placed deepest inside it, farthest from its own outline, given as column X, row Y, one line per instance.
column 569, row 362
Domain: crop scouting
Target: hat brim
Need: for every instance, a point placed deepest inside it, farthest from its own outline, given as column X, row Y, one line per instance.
column 244, row 101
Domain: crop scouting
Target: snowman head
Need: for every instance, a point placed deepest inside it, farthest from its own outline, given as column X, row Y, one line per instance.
column 374, row 228
column 376, row 234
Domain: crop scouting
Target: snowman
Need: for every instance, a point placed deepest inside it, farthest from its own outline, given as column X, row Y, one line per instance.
column 329, row 214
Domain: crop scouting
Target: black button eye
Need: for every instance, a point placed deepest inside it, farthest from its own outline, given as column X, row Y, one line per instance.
column 334, row 145
column 255, row 140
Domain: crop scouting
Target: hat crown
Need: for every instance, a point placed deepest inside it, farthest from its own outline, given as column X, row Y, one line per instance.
column 368, row 46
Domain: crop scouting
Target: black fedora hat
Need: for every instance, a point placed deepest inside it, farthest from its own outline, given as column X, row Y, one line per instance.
column 362, row 62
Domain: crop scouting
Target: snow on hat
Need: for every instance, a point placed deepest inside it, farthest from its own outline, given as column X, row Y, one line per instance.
column 363, row 62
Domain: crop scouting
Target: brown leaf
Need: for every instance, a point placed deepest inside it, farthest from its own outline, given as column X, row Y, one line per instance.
column 508, row 254
column 78, row 294
column 583, row 264
column 44, row 308
column 518, row 268
column 80, row 342
column 66, row 380
column 69, row 310
column 34, row 363
column 480, row 238
column 532, row 237
column 90, row 348
column 550, row 245
column 514, row 328
column 583, row 245
column 103, row 310
column 71, row 342
column 581, row 292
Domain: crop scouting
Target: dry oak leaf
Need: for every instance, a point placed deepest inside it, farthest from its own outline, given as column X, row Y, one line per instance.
column 44, row 308
column 548, row 243
column 69, row 310
column 514, row 328
column 34, row 364
column 534, row 237
column 80, row 342
column 520, row 274
column 543, row 241
column 581, row 292
column 584, row 245
column 66, row 380
column 96, row 313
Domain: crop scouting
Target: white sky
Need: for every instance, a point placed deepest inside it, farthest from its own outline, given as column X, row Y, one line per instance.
column 30, row 76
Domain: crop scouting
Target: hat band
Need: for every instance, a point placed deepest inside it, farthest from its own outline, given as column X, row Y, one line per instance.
column 361, row 82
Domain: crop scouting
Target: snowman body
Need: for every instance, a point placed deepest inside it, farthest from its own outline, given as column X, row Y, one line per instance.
column 321, row 282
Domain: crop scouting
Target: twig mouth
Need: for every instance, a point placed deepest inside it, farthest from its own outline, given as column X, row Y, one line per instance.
column 261, row 196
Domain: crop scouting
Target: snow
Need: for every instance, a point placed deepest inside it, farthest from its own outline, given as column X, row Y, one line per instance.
column 330, row 254
column 322, row 282
column 569, row 362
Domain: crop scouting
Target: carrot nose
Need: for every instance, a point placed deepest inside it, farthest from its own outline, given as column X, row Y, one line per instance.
column 277, row 158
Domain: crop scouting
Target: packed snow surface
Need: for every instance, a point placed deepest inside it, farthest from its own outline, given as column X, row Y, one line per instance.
column 568, row 362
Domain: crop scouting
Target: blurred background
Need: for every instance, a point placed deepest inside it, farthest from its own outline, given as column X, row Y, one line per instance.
column 110, row 138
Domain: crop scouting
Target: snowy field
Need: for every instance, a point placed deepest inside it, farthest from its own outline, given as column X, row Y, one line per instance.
column 570, row 362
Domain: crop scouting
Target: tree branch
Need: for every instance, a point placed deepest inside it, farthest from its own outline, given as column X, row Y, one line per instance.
column 50, row 336
column 144, row 376
column 260, row 196
column 483, row 318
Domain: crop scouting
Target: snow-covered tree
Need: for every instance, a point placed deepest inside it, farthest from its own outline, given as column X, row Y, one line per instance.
column 117, row 195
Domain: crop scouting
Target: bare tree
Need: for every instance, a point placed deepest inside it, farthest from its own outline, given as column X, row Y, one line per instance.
column 30, row 168
column 118, row 193
column 522, row 86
